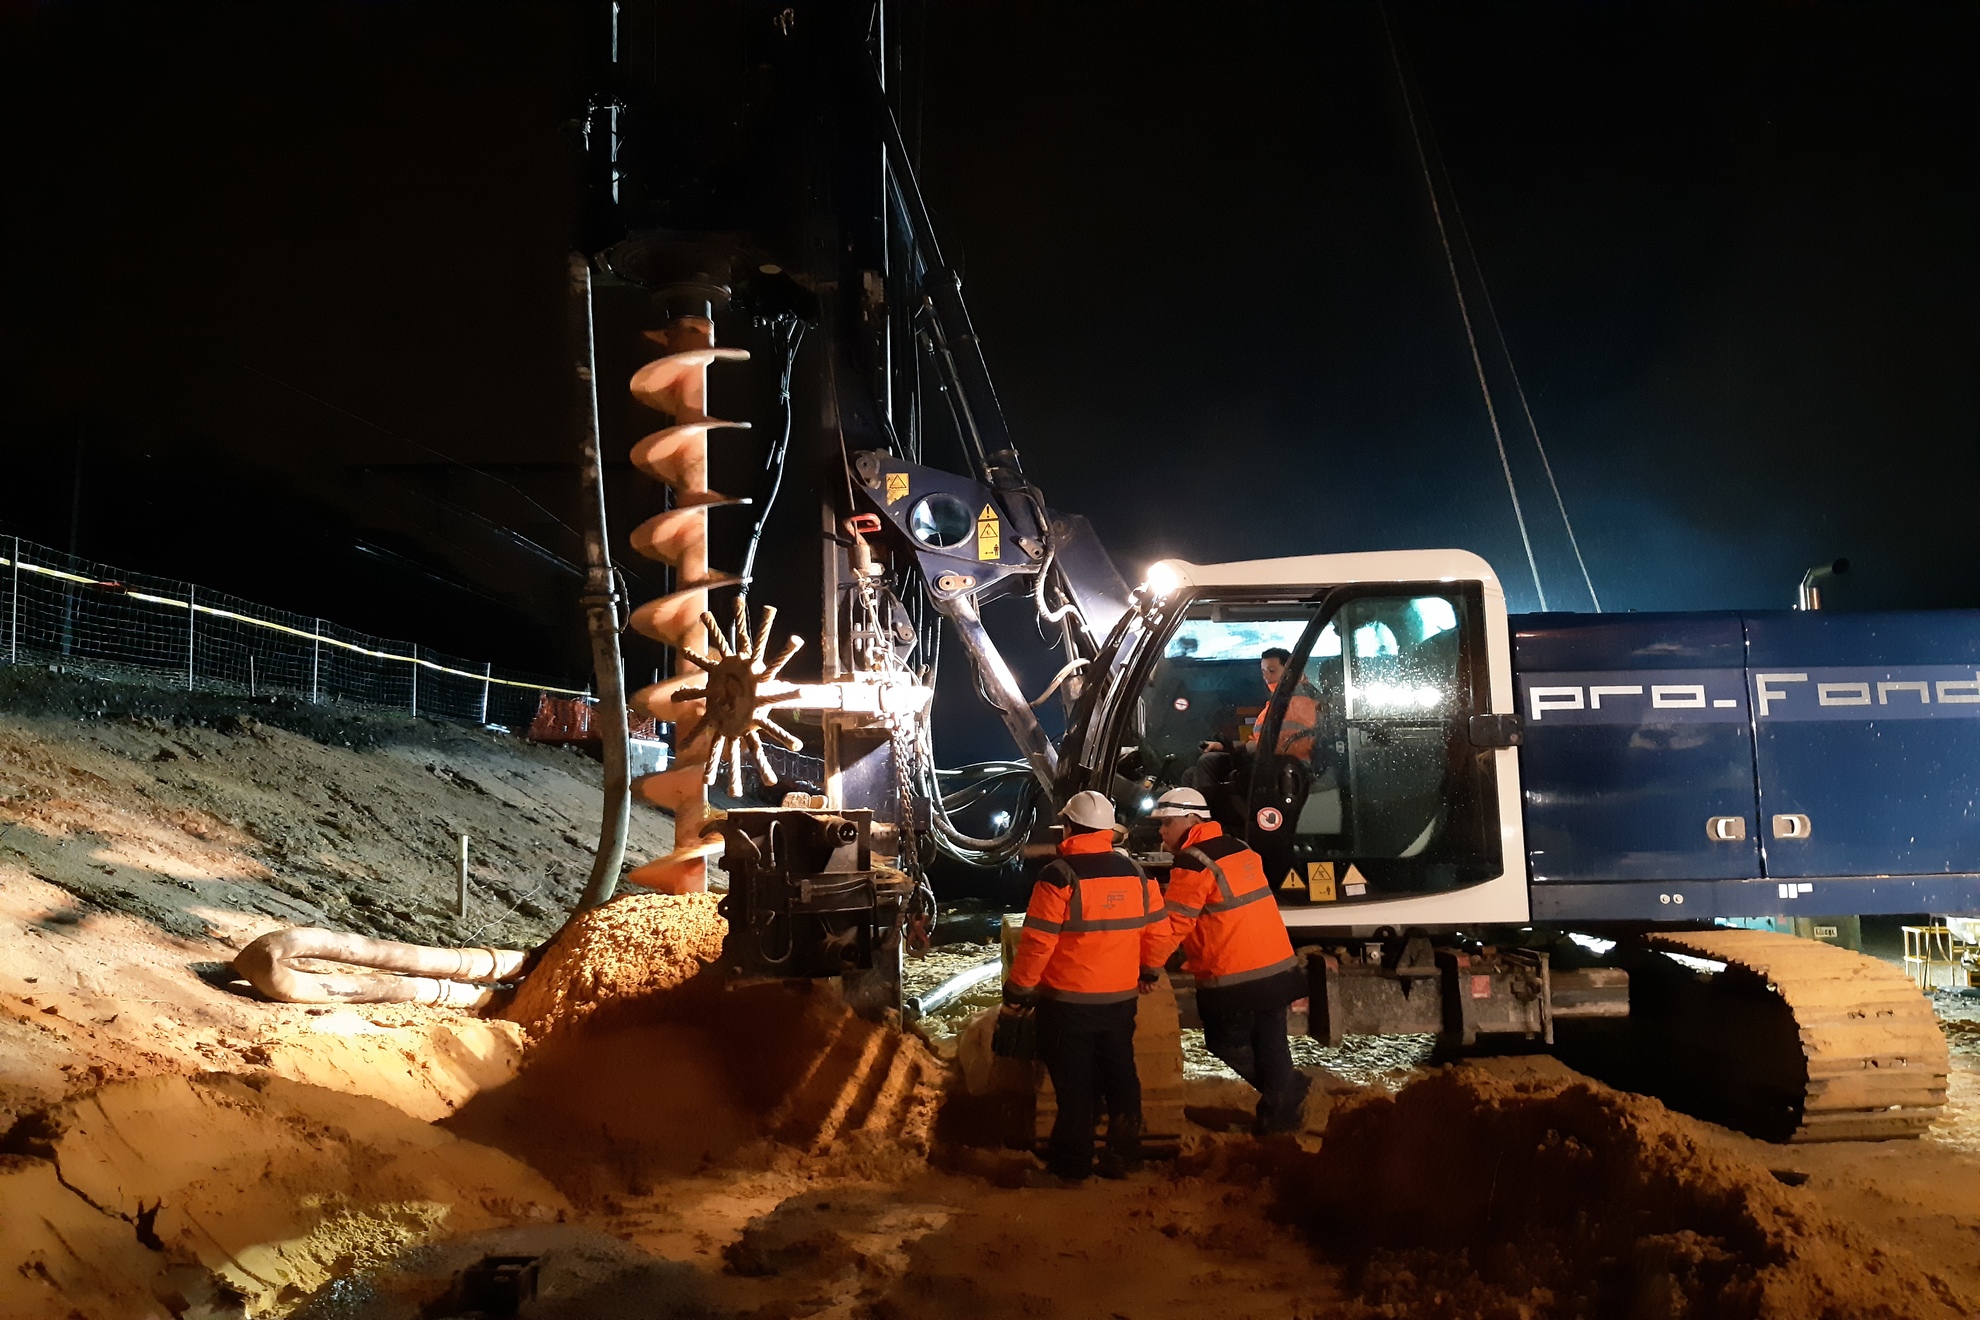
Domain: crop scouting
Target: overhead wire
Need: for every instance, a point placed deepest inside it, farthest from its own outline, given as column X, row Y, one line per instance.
column 1464, row 310
column 1534, row 430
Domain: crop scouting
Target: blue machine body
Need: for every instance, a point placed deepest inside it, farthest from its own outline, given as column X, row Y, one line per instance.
column 1846, row 747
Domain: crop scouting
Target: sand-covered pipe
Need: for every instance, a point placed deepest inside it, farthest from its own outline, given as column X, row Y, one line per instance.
column 954, row 988
column 411, row 973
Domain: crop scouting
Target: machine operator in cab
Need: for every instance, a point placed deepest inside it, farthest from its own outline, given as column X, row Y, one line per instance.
column 1235, row 944
column 1223, row 773
column 1296, row 728
column 1095, row 935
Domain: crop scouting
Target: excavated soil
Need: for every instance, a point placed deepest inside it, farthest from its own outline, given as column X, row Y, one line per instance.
column 1530, row 1191
column 232, row 1195
column 644, row 1065
column 618, row 959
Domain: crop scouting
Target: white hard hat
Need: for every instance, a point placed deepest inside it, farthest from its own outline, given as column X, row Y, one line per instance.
column 1090, row 809
column 1181, row 802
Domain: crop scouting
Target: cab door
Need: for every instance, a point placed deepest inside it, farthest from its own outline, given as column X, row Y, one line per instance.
column 1384, row 784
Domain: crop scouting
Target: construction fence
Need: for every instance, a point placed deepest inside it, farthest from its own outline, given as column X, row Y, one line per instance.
column 57, row 608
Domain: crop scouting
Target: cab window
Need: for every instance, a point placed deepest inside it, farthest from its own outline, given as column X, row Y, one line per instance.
column 1372, row 767
column 1195, row 721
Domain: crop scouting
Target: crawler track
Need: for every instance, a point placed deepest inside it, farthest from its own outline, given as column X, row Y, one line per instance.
column 1857, row 1055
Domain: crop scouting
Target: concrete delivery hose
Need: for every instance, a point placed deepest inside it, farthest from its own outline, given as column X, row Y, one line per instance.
column 411, row 973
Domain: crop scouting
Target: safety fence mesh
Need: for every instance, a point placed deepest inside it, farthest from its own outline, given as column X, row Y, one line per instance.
column 60, row 608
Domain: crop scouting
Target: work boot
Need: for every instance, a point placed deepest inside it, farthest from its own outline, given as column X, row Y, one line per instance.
column 1047, row 1180
column 1112, row 1165
column 1123, row 1153
column 1289, row 1115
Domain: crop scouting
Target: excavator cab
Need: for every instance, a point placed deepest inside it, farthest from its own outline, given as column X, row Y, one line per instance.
column 1378, row 779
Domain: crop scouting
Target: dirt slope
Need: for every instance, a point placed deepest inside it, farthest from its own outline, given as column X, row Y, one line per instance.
column 146, row 835
column 192, row 810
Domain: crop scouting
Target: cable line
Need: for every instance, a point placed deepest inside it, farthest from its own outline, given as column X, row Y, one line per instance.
column 1520, row 390
column 1464, row 311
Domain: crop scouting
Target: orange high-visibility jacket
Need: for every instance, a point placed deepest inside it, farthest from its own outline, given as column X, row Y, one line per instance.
column 1298, row 725
column 1094, row 928
column 1221, row 911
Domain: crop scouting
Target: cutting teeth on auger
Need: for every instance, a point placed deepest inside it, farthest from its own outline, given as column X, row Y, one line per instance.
column 735, row 697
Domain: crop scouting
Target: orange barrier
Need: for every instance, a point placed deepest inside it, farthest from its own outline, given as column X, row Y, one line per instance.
column 568, row 720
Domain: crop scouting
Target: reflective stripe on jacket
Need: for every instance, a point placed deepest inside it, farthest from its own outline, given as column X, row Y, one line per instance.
column 1221, row 911
column 1094, row 927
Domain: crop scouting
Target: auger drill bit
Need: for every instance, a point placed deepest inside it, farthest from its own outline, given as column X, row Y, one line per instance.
column 676, row 383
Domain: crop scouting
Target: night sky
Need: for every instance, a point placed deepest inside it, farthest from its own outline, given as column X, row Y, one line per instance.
column 291, row 284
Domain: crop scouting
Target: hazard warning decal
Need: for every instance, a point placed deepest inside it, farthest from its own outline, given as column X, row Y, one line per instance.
column 897, row 487
column 989, row 537
column 1269, row 818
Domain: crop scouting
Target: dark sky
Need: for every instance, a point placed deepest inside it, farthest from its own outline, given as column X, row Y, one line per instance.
column 284, row 273
column 1733, row 249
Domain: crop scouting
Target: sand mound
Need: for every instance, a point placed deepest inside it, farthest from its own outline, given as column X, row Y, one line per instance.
column 1470, row 1194
column 617, row 958
column 645, row 1064
column 218, row 1192
column 703, row 1075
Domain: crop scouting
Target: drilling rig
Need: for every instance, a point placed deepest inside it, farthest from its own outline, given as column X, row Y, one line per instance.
column 1504, row 826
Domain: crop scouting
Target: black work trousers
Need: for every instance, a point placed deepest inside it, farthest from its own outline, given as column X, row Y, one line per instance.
column 1089, row 1051
column 1253, row 1043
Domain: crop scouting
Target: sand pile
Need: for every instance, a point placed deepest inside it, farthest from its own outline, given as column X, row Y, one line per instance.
column 213, row 1193
column 617, row 959
column 1476, row 1193
column 644, row 1065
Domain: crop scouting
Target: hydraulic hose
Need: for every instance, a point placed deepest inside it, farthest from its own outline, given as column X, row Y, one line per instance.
column 953, row 988
column 397, row 973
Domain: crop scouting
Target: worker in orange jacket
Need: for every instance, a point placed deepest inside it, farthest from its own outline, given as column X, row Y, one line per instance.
column 1221, row 768
column 1235, row 944
column 1297, row 725
column 1095, row 934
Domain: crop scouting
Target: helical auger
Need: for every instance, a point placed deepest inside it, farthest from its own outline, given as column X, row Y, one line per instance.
column 676, row 383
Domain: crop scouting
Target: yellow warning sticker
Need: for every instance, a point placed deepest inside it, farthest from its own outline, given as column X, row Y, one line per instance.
column 1320, row 881
column 897, row 487
column 989, row 538
column 1293, row 884
column 1354, row 882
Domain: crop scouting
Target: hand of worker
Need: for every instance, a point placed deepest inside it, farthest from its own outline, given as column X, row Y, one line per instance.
column 1147, row 984
column 1013, row 1010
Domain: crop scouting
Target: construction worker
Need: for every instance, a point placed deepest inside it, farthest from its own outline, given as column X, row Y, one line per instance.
column 1217, row 766
column 1296, row 727
column 1094, row 935
column 1235, row 944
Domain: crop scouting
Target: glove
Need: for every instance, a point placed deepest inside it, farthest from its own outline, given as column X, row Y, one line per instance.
column 1016, row 1036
